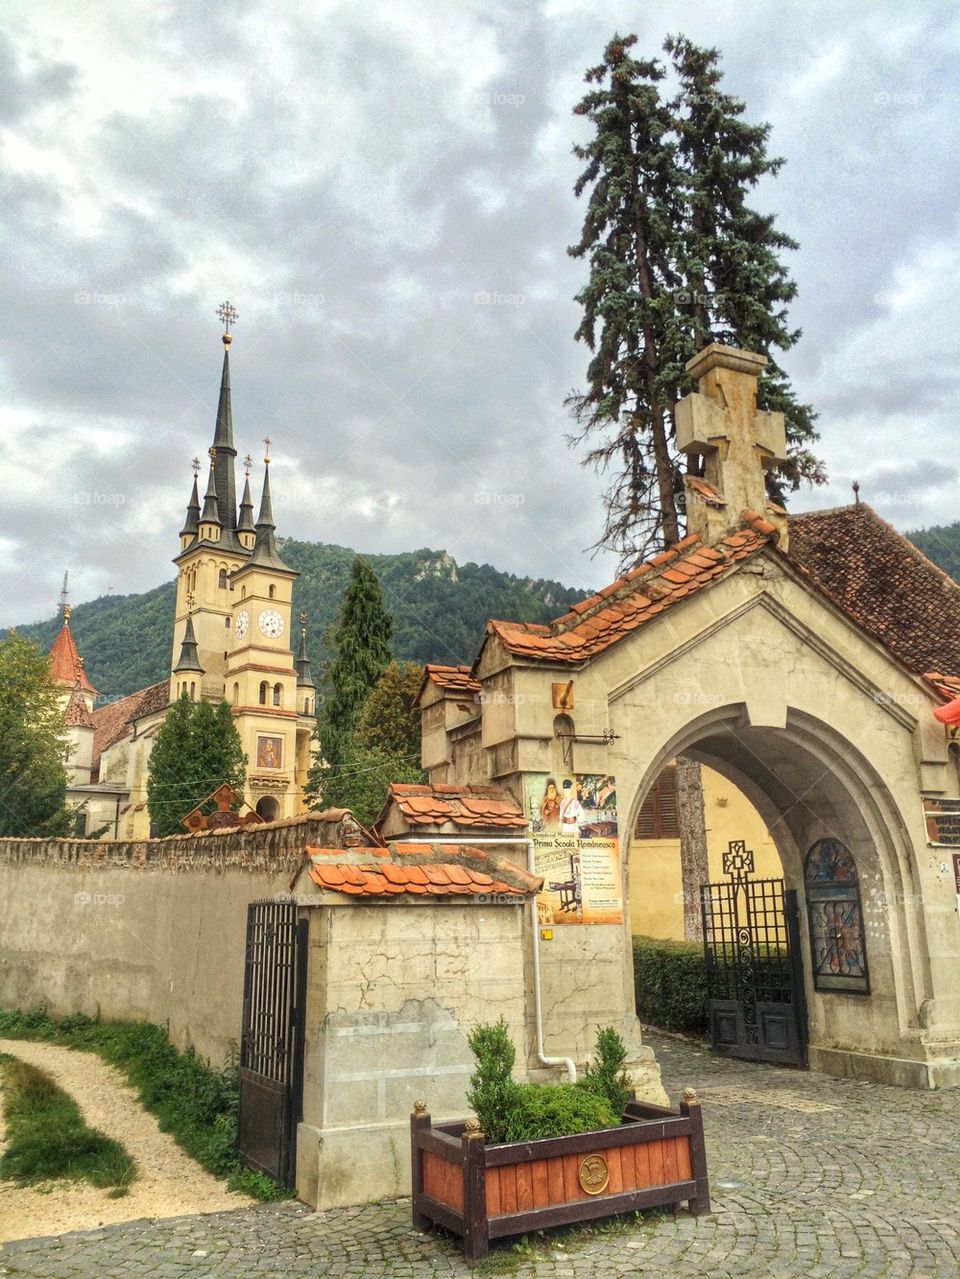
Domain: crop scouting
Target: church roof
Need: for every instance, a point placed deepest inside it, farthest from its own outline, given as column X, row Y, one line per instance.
column 453, row 679
column 76, row 715
column 65, row 664
column 639, row 596
column 112, row 722
column 884, row 583
column 862, row 564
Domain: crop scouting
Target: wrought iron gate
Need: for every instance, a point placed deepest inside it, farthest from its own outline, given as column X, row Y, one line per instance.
column 271, row 1043
column 751, row 947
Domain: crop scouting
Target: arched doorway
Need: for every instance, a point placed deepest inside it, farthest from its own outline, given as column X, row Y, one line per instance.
column 268, row 808
column 816, row 790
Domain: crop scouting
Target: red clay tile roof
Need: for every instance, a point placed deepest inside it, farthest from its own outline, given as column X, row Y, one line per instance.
column 65, row 664
column 470, row 806
column 111, row 722
column 704, row 490
column 76, row 714
column 419, row 869
column 886, row 585
column 456, row 679
column 640, row 595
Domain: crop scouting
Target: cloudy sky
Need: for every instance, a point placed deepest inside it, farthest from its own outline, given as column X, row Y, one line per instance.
column 384, row 192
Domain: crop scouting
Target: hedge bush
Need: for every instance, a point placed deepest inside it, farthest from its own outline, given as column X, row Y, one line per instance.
column 671, row 984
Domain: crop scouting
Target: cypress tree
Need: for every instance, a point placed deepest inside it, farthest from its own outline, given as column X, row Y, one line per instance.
column 197, row 749
column 360, row 641
column 33, row 745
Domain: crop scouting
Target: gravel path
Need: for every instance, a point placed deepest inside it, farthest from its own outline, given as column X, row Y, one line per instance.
column 169, row 1184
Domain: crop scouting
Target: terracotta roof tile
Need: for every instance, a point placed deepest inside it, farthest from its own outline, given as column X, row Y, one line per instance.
column 458, row 679
column 112, row 722
column 464, row 806
column 624, row 605
column 65, row 665
column 440, row 870
column 884, row 583
column 76, row 714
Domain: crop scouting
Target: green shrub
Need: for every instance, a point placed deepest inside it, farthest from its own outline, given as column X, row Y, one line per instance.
column 48, row 1139
column 193, row 1101
column 511, row 1111
column 606, row 1076
column 671, row 984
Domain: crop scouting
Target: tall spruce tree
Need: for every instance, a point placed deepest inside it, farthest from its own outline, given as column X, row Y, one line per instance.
column 360, row 643
column 677, row 259
column 33, row 745
column 197, row 749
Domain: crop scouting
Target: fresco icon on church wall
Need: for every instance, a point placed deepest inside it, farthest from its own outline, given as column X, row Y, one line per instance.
column 573, row 821
column 269, row 752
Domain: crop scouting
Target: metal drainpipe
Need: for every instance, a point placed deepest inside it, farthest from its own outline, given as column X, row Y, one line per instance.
column 567, row 1062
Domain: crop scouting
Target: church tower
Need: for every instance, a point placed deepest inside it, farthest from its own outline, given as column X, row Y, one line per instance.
column 233, row 631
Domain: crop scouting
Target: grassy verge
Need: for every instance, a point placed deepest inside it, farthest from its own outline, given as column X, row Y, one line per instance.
column 191, row 1100
column 47, row 1138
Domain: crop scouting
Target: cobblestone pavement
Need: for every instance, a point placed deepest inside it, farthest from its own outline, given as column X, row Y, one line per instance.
column 811, row 1177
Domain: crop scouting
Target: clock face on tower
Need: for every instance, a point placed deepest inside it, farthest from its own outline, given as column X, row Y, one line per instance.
column 271, row 623
column 242, row 624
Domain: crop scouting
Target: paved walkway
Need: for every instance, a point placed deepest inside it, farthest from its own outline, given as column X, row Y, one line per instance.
column 811, row 1177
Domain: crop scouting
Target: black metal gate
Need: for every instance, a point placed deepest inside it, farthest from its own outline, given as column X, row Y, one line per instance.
column 751, row 942
column 271, row 1043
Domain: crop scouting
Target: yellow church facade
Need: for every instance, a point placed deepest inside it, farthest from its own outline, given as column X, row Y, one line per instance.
column 232, row 639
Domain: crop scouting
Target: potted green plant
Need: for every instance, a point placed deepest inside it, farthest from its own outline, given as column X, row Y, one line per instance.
column 541, row 1155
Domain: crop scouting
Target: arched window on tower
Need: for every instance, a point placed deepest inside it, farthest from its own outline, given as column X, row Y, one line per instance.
column 272, row 592
column 263, row 692
column 236, row 694
column 837, row 944
column 193, row 691
column 278, row 694
column 222, row 581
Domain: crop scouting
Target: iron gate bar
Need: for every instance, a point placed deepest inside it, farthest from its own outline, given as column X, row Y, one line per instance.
column 271, row 1041
column 751, row 966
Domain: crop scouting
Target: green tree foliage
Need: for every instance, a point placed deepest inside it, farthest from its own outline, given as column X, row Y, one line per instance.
column 196, row 750
column 677, row 260
column 33, row 745
column 439, row 609
column 361, row 653
column 389, row 720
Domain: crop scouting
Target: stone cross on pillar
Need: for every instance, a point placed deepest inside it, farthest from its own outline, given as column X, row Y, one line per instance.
column 737, row 441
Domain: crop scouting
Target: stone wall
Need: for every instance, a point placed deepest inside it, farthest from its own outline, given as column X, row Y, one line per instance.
column 152, row 930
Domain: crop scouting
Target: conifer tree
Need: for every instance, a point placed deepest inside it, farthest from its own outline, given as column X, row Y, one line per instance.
column 677, row 259
column 197, row 749
column 360, row 641
column 33, row 745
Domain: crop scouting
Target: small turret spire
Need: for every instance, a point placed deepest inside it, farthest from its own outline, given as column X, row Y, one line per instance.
column 246, row 524
column 211, row 502
column 189, row 656
column 191, row 524
column 304, row 674
column 265, row 551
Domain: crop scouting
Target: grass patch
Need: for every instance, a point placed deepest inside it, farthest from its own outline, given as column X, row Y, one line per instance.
column 48, row 1138
column 192, row 1100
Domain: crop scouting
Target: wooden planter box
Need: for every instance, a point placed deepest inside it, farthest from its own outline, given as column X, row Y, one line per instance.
column 483, row 1192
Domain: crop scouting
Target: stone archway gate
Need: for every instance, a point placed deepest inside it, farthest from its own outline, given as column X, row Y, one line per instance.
column 751, row 942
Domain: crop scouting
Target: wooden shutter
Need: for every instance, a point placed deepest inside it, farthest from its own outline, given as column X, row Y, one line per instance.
column 658, row 816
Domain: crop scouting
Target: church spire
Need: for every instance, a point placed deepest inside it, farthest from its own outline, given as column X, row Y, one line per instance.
column 191, row 524
column 223, row 451
column 304, row 674
column 265, row 551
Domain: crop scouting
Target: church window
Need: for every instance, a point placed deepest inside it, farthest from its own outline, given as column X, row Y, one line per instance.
column 658, row 818
column 226, row 623
column 263, row 692
column 272, row 592
column 277, row 695
column 193, row 689
column 236, row 694
column 306, row 706
column 243, row 592
column 222, row 582
column 837, row 944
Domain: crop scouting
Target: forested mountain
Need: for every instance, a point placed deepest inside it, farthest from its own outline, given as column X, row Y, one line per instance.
column 942, row 545
column 438, row 607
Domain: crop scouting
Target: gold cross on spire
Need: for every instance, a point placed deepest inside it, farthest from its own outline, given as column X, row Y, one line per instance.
column 247, row 465
column 227, row 313
column 196, row 467
column 191, row 600
column 266, row 444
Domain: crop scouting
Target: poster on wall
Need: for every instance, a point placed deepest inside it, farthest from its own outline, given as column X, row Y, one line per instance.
column 573, row 821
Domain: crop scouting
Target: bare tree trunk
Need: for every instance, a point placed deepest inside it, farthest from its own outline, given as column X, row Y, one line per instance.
column 694, row 866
